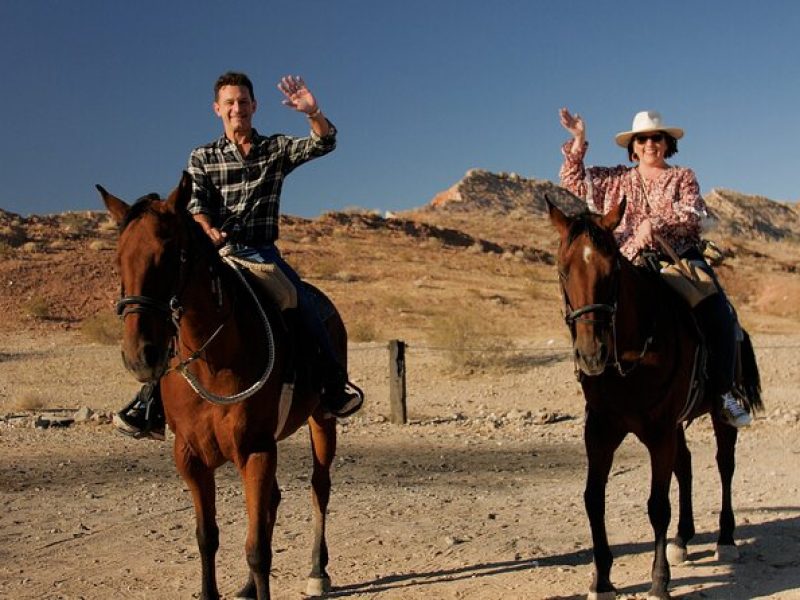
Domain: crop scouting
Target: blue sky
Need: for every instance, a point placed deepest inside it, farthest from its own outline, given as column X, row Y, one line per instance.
column 118, row 93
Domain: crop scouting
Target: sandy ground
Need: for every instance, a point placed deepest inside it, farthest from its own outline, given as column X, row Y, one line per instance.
column 478, row 497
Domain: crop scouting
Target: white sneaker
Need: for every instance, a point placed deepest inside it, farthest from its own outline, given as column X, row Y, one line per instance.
column 733, row 413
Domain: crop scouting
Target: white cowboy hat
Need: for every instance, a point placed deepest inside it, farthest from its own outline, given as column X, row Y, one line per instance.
column 646, row 121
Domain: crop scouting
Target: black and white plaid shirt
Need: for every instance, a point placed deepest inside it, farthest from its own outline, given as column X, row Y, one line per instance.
column 242, row 195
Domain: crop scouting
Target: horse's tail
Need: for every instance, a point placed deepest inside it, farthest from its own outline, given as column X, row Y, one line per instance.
column 750, row 380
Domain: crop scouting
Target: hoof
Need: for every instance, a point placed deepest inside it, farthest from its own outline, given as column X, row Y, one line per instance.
column 601, row 596
column 317, row 586
column 676, row 555
column 248, row 592
column 726, row 553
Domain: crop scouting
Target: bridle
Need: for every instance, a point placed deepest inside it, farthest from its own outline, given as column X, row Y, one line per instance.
column 609, row 318
column 171, row 310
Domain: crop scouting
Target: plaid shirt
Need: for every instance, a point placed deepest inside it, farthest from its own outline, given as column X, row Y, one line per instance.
column 243, row 194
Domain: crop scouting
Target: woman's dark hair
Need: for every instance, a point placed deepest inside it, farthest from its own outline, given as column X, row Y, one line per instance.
column 233, row 78
column 672, row 147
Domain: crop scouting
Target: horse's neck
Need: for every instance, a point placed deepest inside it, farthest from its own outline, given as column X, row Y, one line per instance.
column 222, row 307
column 638, row 304
column 208, row 303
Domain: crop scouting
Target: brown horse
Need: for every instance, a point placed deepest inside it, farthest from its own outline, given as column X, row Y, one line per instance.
column 635, row 348
column 183, row 308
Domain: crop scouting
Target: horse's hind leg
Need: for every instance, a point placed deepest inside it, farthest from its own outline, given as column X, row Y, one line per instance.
column 323, row 449
column 726, row 464
column 601, row 441
column 200, row 480
column 676, row 550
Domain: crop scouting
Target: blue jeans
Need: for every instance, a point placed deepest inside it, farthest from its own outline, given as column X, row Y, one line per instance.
column 306, row 305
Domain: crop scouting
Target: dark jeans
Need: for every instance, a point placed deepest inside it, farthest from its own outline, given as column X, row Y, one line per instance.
column 306, row 305
column 717, row 321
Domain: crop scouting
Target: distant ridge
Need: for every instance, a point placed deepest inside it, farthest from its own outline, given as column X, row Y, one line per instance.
column 736, row 214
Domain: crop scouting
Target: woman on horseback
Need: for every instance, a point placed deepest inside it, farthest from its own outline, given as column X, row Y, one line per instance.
column 662, row 200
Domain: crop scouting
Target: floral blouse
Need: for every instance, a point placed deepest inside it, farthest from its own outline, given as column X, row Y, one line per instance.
column 672, row 203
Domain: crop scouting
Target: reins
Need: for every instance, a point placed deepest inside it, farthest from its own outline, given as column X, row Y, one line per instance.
column 195, row 384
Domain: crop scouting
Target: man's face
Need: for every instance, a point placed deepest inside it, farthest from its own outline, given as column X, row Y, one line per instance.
column 235, row 107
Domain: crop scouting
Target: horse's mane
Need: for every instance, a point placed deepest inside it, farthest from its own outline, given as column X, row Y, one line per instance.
column 198, row 237
column 586, row 222
column 141, row 206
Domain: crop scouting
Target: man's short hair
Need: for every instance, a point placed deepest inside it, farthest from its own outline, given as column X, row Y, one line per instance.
column 233, row 78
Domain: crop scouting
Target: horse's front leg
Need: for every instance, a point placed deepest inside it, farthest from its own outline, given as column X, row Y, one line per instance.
column 323, row 450
column 200, row 480
column 676, row 550
column 601, row 440
column 662, row 462
column 726, row 465
column 262, row 497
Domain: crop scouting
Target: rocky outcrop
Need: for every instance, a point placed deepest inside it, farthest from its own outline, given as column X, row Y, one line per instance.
column 753, row 216
column 503, row 193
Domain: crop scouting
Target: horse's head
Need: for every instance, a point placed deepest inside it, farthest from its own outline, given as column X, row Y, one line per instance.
column 588, row 270
column 151, row 260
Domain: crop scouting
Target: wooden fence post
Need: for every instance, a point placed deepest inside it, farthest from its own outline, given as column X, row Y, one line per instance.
column 397, row 382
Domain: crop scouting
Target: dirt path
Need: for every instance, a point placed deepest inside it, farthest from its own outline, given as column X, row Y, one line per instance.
column 478, row 498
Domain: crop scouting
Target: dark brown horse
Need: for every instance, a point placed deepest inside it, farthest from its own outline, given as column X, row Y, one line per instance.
column 184, row 308
column 636, row 347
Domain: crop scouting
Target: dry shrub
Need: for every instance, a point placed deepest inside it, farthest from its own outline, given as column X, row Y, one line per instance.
column 58, row 245
column 6, row 250
column 467, row 341
column 345, row 276
column 13, row 235
column 362, row 331
column 27, row 401
column 325, row 268
column 31, row 247
column 107, row 225
column 37, row 307
column 98, row 245
column 103, row 328
column 76, row 223
column 398, row 303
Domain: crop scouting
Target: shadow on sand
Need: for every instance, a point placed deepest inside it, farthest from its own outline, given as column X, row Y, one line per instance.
column 761, row 558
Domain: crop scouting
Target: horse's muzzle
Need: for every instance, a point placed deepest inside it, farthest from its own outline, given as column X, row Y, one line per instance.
column 146, row 361
column 591, row 360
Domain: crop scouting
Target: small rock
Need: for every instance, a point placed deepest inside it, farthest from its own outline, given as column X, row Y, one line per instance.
column 84, row 414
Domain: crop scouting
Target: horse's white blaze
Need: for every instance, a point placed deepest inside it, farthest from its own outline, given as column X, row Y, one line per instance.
column 587, row 254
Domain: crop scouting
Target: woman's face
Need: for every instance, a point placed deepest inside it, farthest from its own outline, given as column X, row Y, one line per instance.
column 650, row 148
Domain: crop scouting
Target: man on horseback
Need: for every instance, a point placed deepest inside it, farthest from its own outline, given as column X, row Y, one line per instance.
column 662, row 200
column 236, row 186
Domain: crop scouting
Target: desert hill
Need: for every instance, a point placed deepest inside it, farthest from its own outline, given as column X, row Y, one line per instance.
column 478, row 255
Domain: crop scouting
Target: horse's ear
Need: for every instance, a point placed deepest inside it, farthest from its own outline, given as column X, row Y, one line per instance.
column 612, row 218
column 559, row 220
column 180, row 196
column 115, row 206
